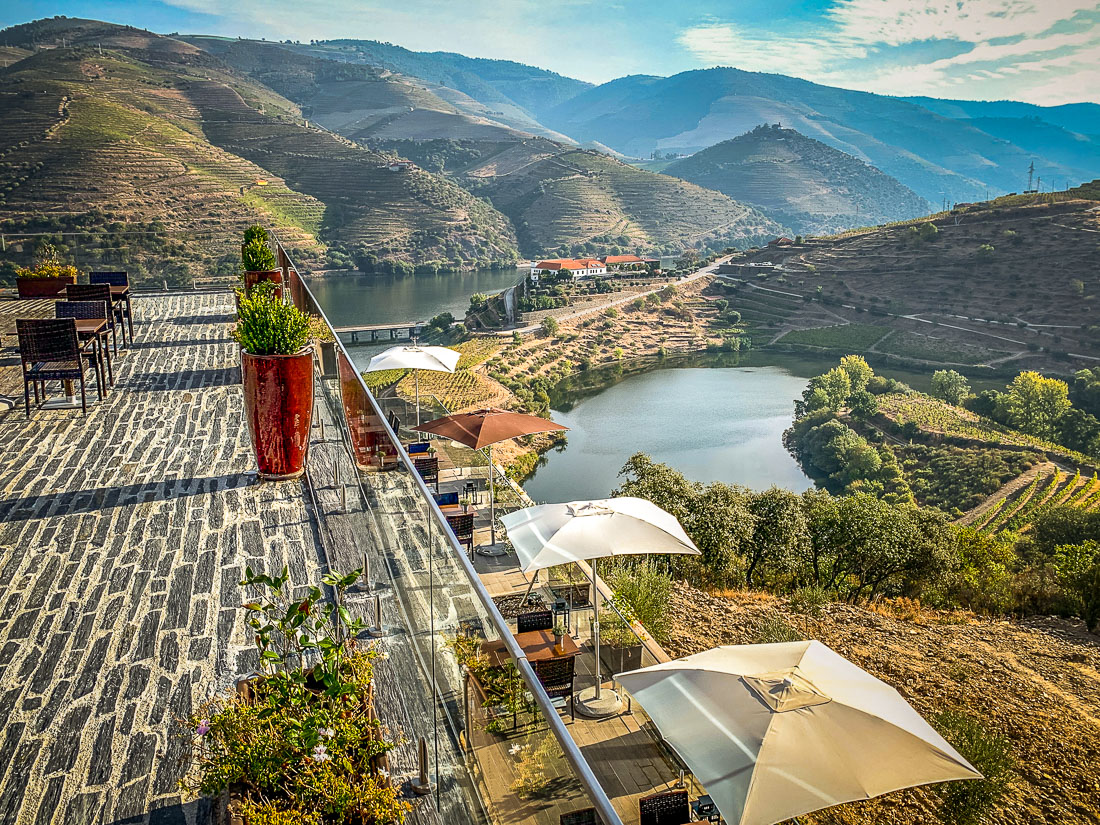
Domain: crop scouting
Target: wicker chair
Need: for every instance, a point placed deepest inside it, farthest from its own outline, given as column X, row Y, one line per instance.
column 123, row 304
column 428, row 468
column 556, row 676
column 668, row 808
column 49, row 351
column 462, row 525
column 99, row 292
column 535, row 620
column 96, row 346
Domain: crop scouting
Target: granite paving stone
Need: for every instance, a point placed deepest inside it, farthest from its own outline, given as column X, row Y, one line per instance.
column 123, row 536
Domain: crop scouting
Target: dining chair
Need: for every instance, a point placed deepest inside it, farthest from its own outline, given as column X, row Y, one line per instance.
column 92, row 310
column 50, row 351
column 117, row 279
column 99, row 292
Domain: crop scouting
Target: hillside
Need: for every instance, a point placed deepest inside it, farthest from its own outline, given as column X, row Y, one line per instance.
column 1034, row 682
column 1080, row 118
column 357, row 100
column 559, row 197
column 165, row 152
column 929, row 153
column 1006, row 285
column 800, row 182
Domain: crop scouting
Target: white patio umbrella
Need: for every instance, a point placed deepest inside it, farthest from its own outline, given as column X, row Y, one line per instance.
column 552, row 534
column 774, row 731
column 414, row 357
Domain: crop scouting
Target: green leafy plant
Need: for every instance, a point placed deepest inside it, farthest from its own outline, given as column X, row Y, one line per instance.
column 255, row 233
column 267, row 326
column 319, row 331
column 48, row 264
column 974, row 801
column 301, row 744
column 256, row 256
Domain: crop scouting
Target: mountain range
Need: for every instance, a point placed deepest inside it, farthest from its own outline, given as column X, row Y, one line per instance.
column 110, row 124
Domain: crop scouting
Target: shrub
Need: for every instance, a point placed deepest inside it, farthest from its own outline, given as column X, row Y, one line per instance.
column 550, row 325
column 973, row 801
column 772, row 628
column 256, row 256
column 267, row 326
column 645, row 592
column 809, row 600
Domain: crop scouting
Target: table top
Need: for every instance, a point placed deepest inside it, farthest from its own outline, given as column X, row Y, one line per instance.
column 90, row 326
column 535, row 644
column 455, row 509
column 119, row 291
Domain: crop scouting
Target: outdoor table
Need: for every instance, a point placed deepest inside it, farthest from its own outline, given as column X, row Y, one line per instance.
column 535, row 644
column 455, row 510
column 85, row 328
column 120, row 293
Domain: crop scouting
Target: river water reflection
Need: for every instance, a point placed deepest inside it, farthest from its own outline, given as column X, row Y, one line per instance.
column 711, row 424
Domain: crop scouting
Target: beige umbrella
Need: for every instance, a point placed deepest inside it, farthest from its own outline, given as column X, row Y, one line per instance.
column 414, row 357
column 551, row 534
column 775, row 731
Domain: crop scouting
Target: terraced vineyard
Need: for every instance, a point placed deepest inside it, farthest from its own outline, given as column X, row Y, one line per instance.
column 1051, row 487
column 158, row 154
column 575, row 195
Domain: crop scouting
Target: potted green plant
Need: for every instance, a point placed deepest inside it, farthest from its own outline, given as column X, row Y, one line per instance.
column 47, row 278
column 258, row 261
column 277, row 374
column 298, row 745
column 325, row 341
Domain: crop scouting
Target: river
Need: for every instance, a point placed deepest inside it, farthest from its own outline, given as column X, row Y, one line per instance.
column 712, row 417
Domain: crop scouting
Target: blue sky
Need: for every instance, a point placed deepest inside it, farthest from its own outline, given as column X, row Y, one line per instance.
column 1042, row 51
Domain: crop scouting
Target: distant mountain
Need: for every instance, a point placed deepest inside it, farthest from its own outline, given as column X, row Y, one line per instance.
column 168, row 152
column 938, row 157
column 358, row 100
column 574, row 201
column 800, row 182
column 1082, row 118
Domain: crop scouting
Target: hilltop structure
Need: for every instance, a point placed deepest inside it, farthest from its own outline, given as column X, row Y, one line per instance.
column 578, row 268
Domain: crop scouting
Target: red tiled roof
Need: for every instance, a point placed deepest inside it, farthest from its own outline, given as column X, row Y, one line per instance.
column 622, row 259
column 569, row 263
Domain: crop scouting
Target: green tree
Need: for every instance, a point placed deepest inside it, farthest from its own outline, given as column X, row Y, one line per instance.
column 950, row 385
column 1035, row 404
column 550, row 326
column 863, row 405
column 858, row 370
column 779, row 534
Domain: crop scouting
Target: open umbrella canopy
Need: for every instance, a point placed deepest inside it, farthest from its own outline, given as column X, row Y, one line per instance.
column 550, row 534
column 484, row 427
column 413, row 357
column 774, row 731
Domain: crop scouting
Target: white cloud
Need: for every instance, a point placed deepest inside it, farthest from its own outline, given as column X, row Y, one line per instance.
column 1050, row 47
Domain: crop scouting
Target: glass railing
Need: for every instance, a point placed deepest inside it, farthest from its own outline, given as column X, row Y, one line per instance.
column 498, row 750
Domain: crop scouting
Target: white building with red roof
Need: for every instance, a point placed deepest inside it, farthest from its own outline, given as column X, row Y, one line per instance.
column 577, row 267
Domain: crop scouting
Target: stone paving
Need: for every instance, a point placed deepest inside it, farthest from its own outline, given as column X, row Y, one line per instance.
column 123, row 536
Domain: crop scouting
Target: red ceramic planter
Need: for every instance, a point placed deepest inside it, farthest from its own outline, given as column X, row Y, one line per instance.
column 273, row 275
column 43, row 287
column 278, row 403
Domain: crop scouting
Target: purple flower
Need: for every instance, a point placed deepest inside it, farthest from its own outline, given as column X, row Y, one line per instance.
column 203, row 728
column 320, row 755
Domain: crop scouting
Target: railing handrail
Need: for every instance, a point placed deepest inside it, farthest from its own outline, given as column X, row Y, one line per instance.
column 572, row 752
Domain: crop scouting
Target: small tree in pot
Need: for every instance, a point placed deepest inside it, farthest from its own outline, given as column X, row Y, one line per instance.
column 277, row 373
column 258, row 261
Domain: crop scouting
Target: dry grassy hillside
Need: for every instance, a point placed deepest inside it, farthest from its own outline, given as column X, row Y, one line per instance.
column 1036, row 683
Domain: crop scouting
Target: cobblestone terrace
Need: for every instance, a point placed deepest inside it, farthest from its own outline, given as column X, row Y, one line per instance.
column 123, row 536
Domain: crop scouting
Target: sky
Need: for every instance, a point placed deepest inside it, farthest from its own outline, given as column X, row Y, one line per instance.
column 1040, row 51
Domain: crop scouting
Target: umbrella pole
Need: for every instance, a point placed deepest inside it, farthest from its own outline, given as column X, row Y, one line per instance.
column 416, row 379
column 492, row 502
column 596, row 624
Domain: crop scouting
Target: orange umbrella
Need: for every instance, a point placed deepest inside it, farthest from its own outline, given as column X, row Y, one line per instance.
column 484, row 428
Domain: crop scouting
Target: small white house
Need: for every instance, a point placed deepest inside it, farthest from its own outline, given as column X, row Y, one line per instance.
column 578, row 267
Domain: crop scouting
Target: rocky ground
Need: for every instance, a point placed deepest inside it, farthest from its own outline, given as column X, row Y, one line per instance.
column 1037, row 683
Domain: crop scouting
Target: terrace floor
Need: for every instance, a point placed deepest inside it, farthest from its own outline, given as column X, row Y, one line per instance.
column 123, row 536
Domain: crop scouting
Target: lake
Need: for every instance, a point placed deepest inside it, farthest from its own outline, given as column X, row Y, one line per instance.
column 710, row 423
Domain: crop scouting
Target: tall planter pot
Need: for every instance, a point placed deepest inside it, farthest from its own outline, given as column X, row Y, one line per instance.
column 43, row 287
column 278, row 403
column 273, row 275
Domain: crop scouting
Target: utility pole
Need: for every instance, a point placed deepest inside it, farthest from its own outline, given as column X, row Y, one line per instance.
column 1030, row 174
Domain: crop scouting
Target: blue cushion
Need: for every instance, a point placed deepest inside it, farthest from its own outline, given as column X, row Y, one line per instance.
column 418, row 448
column 446, row 498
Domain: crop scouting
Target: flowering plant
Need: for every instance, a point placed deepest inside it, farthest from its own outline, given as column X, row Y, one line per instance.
column 300, row 743
column 48, row 265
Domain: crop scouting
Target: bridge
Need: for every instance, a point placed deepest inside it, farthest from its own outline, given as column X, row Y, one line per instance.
column 359, row 333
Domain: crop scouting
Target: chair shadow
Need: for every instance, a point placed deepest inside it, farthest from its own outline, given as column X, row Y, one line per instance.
column 182, row 342
column 96, row 499
column 203, row 320
column 181, row 379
